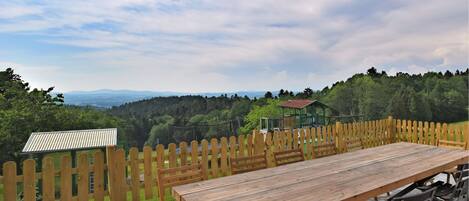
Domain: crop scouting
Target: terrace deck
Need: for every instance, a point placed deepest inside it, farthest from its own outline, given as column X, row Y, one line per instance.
column 355, row 175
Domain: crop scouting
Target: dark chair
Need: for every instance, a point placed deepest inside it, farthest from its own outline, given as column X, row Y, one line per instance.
column 170, row 177
column 248, row 163
column 354, row 144
column 288, row 156
column 427, row 195
column 458, row 192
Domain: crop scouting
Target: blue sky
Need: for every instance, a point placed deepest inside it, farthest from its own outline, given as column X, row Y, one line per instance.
column 224, row 45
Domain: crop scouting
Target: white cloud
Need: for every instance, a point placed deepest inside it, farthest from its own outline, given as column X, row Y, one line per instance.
column 211, row 45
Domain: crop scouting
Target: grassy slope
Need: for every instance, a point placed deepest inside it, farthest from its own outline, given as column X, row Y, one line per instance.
column 459, row 124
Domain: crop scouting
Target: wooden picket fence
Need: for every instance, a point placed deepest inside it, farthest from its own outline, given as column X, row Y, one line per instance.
column 130, row 173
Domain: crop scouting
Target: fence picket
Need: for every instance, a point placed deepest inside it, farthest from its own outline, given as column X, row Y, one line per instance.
column 147, row 172
column 224, row 156
column 172, row 156
column 194, row 152
column 48, row 179
column 83, row 177
column 98, row 173
column 66, row 179
column 232, row 146
column 183, row 153
column 134, row 173
column 249, row 144
column 214, row 157
column 29, row 183
column 241, row 146
column 295, row 138
column 9, row 181
column 204, row 157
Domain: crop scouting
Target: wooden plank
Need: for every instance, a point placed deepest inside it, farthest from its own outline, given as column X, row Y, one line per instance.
column 214, row 157
column 159, row 161
column 259, row 143
column 289, row 140
column 29, row 183
column 241, row 146
column 83, row 177
column 431, row 134
column 111, row 164
column 172, row 156
column 204, row 157
column 398, row 130
column 249, row 147
column 9, row 181
column 409, row 131
column 160, row 156
column 309, row 146
column 314, row 184
column 134, row 173
column 66, row 179
column 268, row 149
column 48, row 179
column 295, row 138
column 420, row 135
column 224, row 156
column 121, row 187
column 333, row 163
column 426, row 134
column 233, row 147
column 147, row 172
column 354, row 182
column 414, row 132
column 302, row 144
column 98, row 169
column 194, row 152
column 183, row 153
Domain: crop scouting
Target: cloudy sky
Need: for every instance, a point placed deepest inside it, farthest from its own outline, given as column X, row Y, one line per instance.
column 226, row 45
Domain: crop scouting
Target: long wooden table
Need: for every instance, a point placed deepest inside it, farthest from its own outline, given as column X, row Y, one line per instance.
column 355, row 175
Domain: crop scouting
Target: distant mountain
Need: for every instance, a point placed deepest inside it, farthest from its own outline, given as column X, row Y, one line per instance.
column 106, row 98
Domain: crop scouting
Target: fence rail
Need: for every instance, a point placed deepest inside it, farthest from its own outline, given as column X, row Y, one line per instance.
column 118, row 174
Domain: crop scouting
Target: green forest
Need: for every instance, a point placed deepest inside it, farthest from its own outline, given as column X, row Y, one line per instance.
column 433, row 96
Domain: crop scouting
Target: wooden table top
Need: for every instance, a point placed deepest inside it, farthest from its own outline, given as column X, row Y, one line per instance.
column 355, row 175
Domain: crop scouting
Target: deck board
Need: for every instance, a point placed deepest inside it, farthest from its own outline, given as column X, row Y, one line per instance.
column 350, row 176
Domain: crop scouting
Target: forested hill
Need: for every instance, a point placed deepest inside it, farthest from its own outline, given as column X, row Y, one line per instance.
column 432, row 96
column 152, row 119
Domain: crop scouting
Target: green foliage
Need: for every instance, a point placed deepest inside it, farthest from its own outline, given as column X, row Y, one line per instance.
column 270, row 110
column 430, row 97
column 186, row 112
column 159, row 133
column 24, row 110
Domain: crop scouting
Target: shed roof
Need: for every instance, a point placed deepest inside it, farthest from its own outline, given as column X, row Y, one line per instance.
column 297, row 104
column 41, row 142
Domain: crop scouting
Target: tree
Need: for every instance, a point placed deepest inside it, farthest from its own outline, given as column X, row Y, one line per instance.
column 24, row 110
column 270, row 110
column 268, row 94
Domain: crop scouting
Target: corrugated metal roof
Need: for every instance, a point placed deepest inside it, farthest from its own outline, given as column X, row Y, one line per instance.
column 70, row 140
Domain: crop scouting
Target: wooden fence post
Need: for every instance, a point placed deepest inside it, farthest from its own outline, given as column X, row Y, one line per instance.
column 98, row 176
column 134, row 173
column 66, row 179
column 29, row 183
column 147, row 172
column 9, row 181
column 390, row 130
column 339, row 137
column 83, row 177
column 48, row 179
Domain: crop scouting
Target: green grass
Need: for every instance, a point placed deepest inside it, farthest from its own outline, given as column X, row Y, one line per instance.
column 459, row 125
